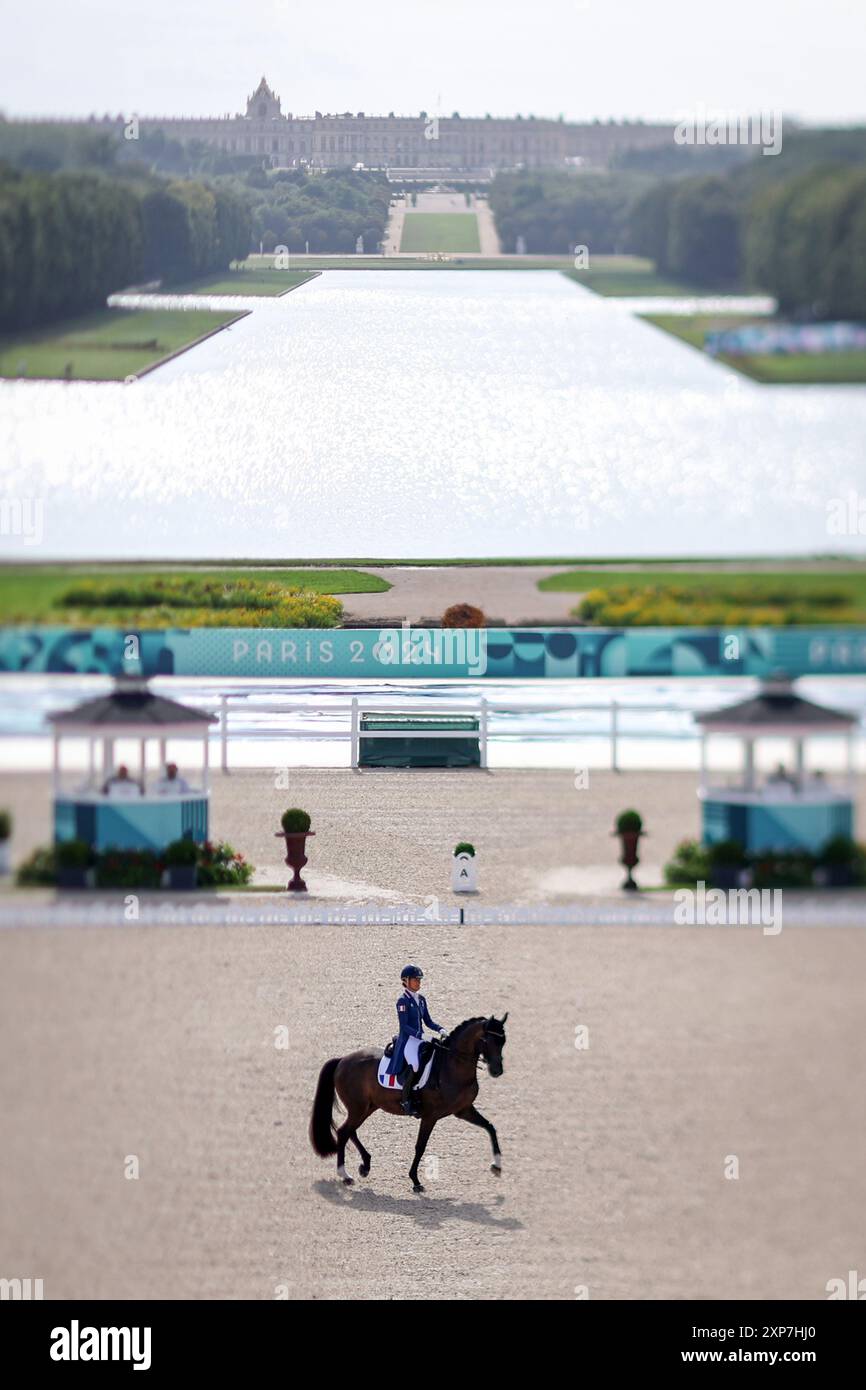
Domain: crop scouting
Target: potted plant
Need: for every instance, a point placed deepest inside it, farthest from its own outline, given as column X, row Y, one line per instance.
column 296, row 828
column 836, row 862
column 464, row 877
column 726, row 860
column 629, row 828
column 181, row 864
column 463, row 615
column 5, row 836
column 74, row 858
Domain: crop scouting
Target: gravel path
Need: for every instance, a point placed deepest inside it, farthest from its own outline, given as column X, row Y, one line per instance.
column 510, row 596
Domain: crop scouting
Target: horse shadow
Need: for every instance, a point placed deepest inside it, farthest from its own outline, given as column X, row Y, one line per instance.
column 432, row 1212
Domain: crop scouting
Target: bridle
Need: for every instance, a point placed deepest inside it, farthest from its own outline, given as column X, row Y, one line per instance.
column 478, row 1056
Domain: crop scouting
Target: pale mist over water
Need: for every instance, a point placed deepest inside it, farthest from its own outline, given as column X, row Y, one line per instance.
column 432, row 413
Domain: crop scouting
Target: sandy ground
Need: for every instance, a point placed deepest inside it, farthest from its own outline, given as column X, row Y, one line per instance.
column 504, row 595
column 487, row 233
column 703, row 1046
column 388, row 833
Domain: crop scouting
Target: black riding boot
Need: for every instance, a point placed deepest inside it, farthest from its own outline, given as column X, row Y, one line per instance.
column 410, row 1105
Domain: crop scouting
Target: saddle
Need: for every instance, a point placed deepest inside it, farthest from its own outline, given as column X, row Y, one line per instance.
column 429, row 1055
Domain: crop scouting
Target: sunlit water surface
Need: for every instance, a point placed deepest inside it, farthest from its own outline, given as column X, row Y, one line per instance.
column 420, row 414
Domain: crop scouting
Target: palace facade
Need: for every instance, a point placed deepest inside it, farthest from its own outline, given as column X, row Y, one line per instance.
column 410, row 146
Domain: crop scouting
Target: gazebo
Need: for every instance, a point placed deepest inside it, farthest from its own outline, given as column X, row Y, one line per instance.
column 788, row 808
column 121, row 808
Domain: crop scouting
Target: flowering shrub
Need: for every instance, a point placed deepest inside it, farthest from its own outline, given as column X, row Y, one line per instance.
column 220, row 866
column 185, row 601
column 677, row 605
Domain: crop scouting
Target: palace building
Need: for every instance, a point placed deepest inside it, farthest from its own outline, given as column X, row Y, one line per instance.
column 410, row 146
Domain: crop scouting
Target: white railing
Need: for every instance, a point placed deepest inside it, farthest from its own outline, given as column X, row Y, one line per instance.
column 481, row 709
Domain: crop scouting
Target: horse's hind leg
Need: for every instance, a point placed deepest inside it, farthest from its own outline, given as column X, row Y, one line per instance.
column 347, row 1131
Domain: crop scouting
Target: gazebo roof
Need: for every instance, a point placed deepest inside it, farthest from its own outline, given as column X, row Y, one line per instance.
column 776, row 709
column 132, row 706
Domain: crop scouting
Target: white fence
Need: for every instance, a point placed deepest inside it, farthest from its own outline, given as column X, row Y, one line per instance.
column 481, row 709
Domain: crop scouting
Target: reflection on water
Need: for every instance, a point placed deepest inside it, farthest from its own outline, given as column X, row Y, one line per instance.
column 419, row 414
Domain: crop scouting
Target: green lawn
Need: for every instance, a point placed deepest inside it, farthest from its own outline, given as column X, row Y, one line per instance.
column 830, row 369
column 109, row 345
column 636, row 279
column 440, row 231
column 806, row 596
column 29, row 593
column 250, row 280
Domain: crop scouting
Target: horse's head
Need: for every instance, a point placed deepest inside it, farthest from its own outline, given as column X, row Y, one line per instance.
column 492, row 1043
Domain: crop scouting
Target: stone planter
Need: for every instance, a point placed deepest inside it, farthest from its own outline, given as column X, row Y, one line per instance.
column 5, row 857
column 296, row 856
column 629, row 857
column 464, row 875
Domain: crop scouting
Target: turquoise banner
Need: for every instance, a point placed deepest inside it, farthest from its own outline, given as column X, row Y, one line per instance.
column 425, row 654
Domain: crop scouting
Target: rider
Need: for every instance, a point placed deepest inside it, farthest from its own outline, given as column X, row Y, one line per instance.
column 412, row 1014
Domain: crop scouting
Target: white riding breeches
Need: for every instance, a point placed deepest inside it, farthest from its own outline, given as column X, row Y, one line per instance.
column 410, row 1052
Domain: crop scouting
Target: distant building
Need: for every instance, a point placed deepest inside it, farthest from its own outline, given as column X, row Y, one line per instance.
column 409, row 146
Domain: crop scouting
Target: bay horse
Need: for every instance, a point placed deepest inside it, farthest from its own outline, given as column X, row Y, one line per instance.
column 355, row 1080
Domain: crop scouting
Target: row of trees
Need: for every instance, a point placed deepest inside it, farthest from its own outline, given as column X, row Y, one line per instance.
column 691, row 228
column 792, row 225
column 805, row 243
column 551, row 212
column 68, row 240
column 329, row 211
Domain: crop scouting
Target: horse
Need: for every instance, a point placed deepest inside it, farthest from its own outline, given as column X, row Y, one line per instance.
column 355, row 1081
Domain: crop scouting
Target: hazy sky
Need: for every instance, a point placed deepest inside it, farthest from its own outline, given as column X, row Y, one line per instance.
column 582, row 58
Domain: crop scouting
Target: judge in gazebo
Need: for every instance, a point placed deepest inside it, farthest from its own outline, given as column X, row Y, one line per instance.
column 113, row 807
column 788, row 808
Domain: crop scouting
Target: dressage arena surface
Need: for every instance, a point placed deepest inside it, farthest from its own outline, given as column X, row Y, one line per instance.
column 704, row 1043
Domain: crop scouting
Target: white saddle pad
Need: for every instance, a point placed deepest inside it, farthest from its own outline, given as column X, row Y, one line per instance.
column 392, row 1083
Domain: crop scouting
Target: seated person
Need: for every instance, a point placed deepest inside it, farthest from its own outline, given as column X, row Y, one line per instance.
column 170, row 784
column 121, row 784
column 781, row 779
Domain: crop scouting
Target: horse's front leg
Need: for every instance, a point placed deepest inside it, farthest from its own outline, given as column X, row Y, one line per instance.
column 424, row 1133
column 475, row 1117
column 365, row 1157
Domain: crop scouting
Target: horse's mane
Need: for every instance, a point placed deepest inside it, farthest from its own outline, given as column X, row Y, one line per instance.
column 455, row 1032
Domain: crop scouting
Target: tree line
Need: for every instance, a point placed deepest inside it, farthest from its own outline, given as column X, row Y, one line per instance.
column 792, row 225
column 68, row 240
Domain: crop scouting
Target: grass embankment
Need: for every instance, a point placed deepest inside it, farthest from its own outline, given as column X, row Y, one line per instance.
column 794, row 369
column 440, row 231
column 108, row 346
column 630, row 277
column 248, row 280
column 139, row 597
column 675, row 599
column 418, row 262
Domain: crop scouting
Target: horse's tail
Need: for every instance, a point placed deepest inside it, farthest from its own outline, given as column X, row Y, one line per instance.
column 323, row 1136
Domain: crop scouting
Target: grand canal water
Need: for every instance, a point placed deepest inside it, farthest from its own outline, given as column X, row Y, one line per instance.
column 432, row 414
